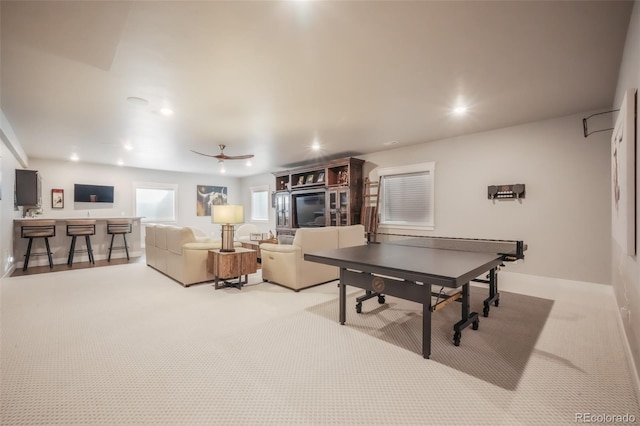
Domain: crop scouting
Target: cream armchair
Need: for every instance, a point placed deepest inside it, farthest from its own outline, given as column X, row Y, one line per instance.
column 244, row 231
column 285, row 265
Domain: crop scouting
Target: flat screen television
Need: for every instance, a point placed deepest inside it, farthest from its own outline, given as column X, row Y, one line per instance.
column 309, row 210
column 92, row 193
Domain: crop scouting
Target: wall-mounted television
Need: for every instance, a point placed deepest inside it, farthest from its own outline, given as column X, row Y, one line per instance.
column 309, row 210
column 92, row 193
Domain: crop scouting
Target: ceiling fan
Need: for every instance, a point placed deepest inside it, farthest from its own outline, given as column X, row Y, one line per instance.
column 222, row 156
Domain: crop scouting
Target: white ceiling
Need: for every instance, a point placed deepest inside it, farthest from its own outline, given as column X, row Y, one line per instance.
column 269, row 78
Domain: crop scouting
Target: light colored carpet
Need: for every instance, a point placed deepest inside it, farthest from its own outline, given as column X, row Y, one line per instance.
column 127, row 345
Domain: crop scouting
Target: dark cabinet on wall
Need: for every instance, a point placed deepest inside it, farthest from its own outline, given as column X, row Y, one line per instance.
column 28, row 188
column 324, row 194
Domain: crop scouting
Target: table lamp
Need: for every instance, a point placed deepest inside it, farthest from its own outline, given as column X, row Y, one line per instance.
column 227, row 215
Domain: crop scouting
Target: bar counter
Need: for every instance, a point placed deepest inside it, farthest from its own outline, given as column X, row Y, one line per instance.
column 61, row 243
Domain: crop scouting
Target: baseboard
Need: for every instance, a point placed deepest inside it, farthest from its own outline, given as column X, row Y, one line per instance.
column 9, row 272
column 629, row 356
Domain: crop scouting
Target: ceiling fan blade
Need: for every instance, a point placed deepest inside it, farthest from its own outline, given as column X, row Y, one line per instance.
column 238, row 157
column 223, row 157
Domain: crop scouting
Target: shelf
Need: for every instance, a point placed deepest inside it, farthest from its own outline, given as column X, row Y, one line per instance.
column 340, row 176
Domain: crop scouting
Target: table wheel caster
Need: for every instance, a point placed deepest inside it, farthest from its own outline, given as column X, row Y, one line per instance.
column 485, row 311
column 456, row 338
column 475, row 324
column 381, row 299
column 496, row 303
column 358, row 307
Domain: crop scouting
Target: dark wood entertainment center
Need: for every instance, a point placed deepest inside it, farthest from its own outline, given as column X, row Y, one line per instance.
column 323, row 194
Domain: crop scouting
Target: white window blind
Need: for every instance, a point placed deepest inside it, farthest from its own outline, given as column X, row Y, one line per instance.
column 260, row 203
column 155, row 204
column 407, row 196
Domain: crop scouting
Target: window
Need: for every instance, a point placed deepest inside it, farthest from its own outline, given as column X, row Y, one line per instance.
column 406, row 196
column 260, row 203
column 155, row 202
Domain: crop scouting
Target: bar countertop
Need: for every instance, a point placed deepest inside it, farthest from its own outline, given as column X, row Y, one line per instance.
column 60, row 242
column 63, row 219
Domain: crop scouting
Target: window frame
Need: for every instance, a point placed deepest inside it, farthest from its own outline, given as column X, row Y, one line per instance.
column 156, row 185
column 429, row 168
column 255, row 189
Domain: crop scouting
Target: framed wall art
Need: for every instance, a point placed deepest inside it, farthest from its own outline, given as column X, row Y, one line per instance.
column 207, row 196
column 57, row 198
column 623, row 190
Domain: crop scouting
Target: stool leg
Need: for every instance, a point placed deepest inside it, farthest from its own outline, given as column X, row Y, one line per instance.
column 46, row 241
column 111, row 247
column 72, row 250
column 89, row 249
column 26, row 256
column 125, row 245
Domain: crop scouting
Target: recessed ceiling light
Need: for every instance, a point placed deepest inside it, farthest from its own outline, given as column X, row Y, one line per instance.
column 166, row 111
column 315, row 146
column 74, row 157
column 128, row 146
column 248, row 163
column 460, row 110
column 120, row 163
column 137, row 101
column 391, row 143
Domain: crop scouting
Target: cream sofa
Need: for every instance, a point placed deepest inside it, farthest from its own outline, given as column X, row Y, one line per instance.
column 284, row 264
column 178, row 253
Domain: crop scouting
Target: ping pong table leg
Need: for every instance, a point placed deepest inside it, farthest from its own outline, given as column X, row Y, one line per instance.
column 426, row 323
column 494, row 295
column 343, row 297
column 468, row 318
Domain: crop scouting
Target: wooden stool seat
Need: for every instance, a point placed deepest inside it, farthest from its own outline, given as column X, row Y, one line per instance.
column 118, row 227
column 40, row 228
column 78, row 228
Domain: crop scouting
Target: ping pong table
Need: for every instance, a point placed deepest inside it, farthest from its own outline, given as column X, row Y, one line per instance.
column 408, row 268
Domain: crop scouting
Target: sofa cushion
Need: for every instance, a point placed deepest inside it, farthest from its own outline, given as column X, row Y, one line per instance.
column 285, row 239
column 177, row 237
column 150, row 235
column 161, row 236
column 207, row 245
column 349, row 236
column 313, row 239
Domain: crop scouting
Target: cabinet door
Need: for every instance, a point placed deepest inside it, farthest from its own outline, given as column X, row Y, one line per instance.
column 28, row 188
column 338, row 207
column 283, row 210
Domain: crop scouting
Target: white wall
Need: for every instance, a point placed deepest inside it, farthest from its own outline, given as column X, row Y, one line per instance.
column 245, row 200
column 9, row 164
column 565, row 217
column 64, row 174
column 626, row 269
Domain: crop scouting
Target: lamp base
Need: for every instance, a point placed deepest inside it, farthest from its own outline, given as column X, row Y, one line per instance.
column 227, row 239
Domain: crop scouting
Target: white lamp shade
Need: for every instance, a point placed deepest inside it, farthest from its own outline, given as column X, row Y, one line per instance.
column 224, row 214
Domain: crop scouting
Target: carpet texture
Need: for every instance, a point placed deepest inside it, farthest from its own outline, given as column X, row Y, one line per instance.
column 126, row 345
column 498, row 354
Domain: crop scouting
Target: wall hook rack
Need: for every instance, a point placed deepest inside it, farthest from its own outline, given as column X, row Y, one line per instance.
column 585, row 128
column 502, row 192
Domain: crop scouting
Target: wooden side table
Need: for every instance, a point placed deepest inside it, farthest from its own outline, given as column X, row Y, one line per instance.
column 229, row 265
column 255, row 245
column 252, row 245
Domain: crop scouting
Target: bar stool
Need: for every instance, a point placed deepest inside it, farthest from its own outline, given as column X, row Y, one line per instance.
column 79, row 228
column 38, row 229
column 118, row 227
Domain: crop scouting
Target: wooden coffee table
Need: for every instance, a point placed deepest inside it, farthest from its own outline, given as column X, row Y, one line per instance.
column 230, row 265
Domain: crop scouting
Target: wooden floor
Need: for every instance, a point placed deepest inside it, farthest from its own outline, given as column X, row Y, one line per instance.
column 76, row 265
